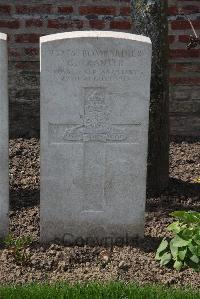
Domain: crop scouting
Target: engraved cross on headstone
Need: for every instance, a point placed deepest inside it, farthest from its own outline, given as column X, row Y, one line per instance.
column 96, row 131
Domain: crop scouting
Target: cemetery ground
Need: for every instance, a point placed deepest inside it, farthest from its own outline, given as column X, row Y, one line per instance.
column 128, row 263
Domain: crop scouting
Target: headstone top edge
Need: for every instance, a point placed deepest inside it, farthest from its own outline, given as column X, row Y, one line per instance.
column 95, row 34
column 3, row 36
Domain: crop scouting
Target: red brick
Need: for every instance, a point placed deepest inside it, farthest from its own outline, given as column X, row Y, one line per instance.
column 97, row 24
column 27, row 65
column 184, row 53
column 65, row 9
column 182, row 25
column 65, row 24
column 12, row 24
column 27, row 38
column 122, row 25
column 12, row 52
column 97, row 10
column 34, row 9
column 185, row 67
column 185, row 81
column 184, row 38
column 173, row 66
column 5, row 9
column 190, row 9
column 171, row 39
column 172, row 10
column 31, row 52
column 125, row 11
column 34, row 23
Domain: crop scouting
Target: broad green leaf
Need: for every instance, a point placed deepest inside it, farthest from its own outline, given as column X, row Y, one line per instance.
column 174, row 227
column 197, row 238
column 161, row 249
column 182, row 253
column 163, row 245
column 179, row 242
column 189, row 217
column 194, row 216
column 179, row 214
column 187, row 234
column 192, row 265
column 159, row 255
column 173, row 249
column 165, row 259
column 178, row 265
column 195, row 259
column 184, row 248
column 193, row 249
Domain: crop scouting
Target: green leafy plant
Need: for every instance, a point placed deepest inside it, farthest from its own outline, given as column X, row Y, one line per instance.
column 183, row 250
column 18, row 248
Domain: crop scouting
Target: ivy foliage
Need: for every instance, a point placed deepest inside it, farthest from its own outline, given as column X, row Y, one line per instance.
column 183, row 250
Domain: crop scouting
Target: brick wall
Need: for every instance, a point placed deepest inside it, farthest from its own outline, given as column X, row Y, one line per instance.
column 184, row 69
column 25, row 22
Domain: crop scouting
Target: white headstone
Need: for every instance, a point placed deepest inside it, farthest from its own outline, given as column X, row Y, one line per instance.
column 95, row 90
column 4, row 179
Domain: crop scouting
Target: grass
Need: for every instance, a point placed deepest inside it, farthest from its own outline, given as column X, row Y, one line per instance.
column 95, row 291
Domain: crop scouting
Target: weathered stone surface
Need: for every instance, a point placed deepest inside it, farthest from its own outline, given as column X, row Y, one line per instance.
column 4, row 180
column 95, row 89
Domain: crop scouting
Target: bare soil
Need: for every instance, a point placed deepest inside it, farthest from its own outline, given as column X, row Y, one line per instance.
column 88, row 263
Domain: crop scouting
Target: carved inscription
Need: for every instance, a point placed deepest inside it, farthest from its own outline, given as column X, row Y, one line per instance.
column 106, row 53
column 94, row 73
column 96, row 126
column 97, row 65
